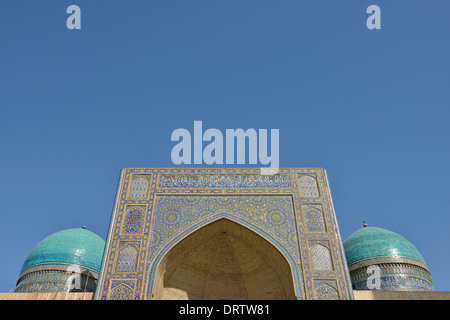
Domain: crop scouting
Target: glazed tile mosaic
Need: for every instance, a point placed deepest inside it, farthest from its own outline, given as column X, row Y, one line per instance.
column 273, row 214
column 134, row 218
column 320, row 257
column 224, row 181
column 313, row 216
column 326, row 290
column 155, row 209
column 139, row 188
column 308, row 186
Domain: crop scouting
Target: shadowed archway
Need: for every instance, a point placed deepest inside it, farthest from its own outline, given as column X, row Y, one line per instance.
column 224, row 260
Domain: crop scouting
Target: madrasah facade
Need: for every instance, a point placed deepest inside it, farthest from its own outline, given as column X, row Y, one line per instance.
column 224, row 234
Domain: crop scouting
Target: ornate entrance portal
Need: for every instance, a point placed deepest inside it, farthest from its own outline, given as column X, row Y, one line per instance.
column 215, row 233
column 224, row 261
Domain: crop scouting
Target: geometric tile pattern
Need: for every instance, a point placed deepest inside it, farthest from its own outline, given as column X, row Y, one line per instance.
column 54, row 278
column 122, row 290
column 134, row 219
column 275, row 214
column 314, row 219
column 139, row 188
column 394, row 276
column 320, row 258
column 326, row 290
column 308, row 186
column 128, row 255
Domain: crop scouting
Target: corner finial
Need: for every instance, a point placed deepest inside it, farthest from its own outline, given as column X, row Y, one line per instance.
column 365, row 225
column 84, row 226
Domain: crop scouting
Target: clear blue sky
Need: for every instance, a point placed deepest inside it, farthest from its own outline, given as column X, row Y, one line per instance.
column 370, row 106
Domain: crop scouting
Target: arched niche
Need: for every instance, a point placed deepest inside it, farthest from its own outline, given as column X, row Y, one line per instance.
column 223, row 260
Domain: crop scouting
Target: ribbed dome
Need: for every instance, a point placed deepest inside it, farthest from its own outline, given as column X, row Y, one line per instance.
column 372, row 243
column 72, row 246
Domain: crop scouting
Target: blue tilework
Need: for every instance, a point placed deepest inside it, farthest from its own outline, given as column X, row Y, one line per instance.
column 399, row 281
column 371, row 243
column 221, row 181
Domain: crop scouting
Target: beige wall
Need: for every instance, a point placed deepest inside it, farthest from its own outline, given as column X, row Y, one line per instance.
column 359, row 295
column 48, row 296
column 401, row 295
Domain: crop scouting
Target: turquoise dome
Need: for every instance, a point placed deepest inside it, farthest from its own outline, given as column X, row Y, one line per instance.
column 72, row 246
column 399, row 265
column 370, row 243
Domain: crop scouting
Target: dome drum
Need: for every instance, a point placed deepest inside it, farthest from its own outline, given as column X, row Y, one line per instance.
column 55, row 278
column 394, row 276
